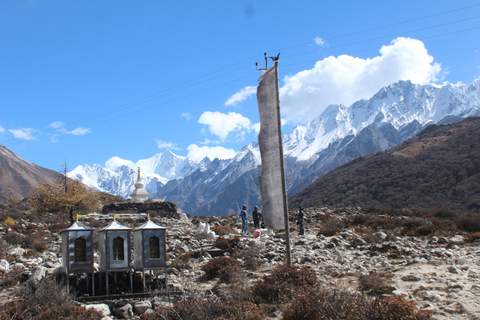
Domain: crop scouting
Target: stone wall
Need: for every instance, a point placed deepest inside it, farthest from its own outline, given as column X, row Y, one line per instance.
column 154, row 208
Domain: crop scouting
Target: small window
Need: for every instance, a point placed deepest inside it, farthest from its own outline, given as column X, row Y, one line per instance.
column 154, row 247
column 80, row 250
column 118, row 249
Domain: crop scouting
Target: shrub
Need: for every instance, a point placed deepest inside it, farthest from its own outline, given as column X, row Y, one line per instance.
column 40, row 244
column 436, row 227
column 11, row 279
column 322, row 303
column 444, row 213
column 9, row 222
column 57, row 227
column 388, row 223
column 14, row 238
column 396, row 308
column 282, row 283
column 3, row 249
column 49, row 301
column 182, row 264
column 331, row 227
column 222, row 267
column 472, row 237
column 228, row 244
column 375, row 284
column 361, row 219
column 194, row 307
column 223, row 230
column 250, row 256
column 469, row 222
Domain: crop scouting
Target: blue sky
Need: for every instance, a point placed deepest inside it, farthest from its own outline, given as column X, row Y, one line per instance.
column 83, row 81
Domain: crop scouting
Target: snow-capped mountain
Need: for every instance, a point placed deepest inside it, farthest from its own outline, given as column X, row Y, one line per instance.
column 119, row 175
column 338, row 135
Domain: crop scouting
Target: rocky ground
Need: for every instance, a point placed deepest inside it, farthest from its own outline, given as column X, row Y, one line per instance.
column 440, row 274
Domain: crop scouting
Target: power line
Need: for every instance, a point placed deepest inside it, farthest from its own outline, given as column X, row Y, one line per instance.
column 377, row 48
column 378, row 28
column 403, row 22
column 194, row 82
column 218, row 73
column 253, row 74
column 387, row 36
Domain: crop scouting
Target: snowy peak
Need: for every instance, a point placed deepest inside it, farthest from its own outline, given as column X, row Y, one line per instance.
column 399, row 104
column 339, row 134
column 119, row 175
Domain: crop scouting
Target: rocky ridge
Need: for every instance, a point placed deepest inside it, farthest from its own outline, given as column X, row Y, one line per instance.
column 440, row 274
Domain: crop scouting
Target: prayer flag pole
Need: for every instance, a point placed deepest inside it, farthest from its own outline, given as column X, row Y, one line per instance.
column 273, row 190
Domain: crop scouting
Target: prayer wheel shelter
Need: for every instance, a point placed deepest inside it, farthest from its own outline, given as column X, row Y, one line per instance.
column 114, row 250
column 149, row 248
column 77, row 251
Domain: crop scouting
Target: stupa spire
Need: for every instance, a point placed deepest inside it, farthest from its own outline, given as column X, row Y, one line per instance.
column 139, row 194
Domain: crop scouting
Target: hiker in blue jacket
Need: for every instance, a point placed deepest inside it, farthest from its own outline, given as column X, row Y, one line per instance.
column 244, row 216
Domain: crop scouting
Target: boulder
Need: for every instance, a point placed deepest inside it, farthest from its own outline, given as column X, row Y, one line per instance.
column 38, row 274
column 100, row 307
column 140, row 307
column 149, row 312
column 122, row 309
column 458, row 239
column 357, row 242
column 4, row 266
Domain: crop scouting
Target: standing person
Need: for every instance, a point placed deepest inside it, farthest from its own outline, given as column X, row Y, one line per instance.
column 244, row 216
column 301, row 215
column 256, row 218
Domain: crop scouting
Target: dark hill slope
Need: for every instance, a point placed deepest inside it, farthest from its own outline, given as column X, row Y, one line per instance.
column 18, row 177
column 438, row 168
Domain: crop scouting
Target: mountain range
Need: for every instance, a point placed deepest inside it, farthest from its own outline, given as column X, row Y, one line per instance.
column 339, row 135
column 439, row 168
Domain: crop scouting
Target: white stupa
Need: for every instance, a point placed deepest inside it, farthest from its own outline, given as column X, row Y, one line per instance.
column 139, row 194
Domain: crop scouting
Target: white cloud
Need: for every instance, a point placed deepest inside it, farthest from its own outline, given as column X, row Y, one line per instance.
column 221, row 124
column 54, row 138
column 197, row 153
column 2, row 129
column 256, row 127
column 319, row 41
column 346, row 79
column 186, row 115
column 60, row 127
column 57, row 125
column 80, row 131
column 165, row 145
column 241, row 96
column 24, row 133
